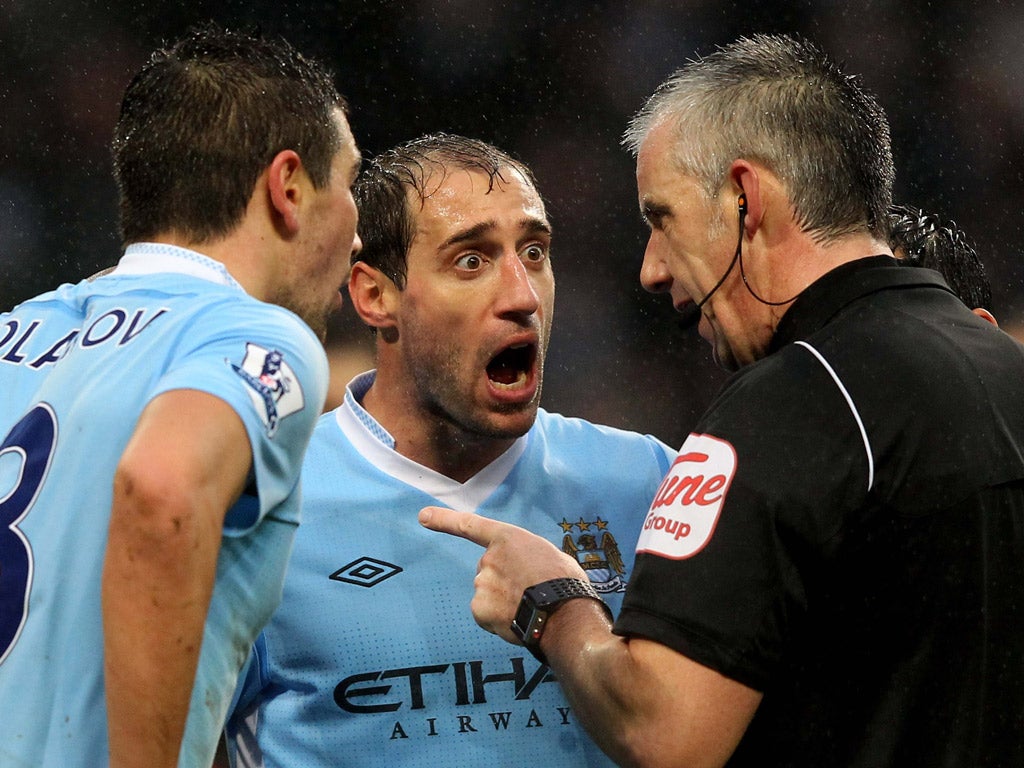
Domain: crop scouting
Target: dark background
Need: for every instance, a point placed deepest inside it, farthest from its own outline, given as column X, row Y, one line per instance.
column 554, row 83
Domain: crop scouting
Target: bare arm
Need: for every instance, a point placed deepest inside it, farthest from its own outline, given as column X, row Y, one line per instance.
column 643, row 703
column 187, row 461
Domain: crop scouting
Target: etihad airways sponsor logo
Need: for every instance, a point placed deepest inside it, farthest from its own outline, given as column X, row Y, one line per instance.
column 456, row 698
column 459, row 683
column 685, row 510
column 456, row 724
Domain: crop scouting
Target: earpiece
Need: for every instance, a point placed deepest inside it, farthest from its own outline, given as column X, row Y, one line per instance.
column 742, row 203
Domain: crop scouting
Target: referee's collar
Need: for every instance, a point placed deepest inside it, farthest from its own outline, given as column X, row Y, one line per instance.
column 833, row 291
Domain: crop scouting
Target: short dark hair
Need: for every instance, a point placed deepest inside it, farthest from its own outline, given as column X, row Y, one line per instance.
column 386, row 222
column 780, row 101
column 202, row 120
column 926, row 241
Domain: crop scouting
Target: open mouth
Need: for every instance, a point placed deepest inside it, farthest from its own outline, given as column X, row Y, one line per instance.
column 511, row 368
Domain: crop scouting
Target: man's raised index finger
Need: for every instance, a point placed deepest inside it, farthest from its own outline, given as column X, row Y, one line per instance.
column 467, row 525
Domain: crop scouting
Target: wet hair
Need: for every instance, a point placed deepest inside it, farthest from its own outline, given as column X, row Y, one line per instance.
column 391, row 183
column 926, row 241
column 782, row 102
column 203, row 119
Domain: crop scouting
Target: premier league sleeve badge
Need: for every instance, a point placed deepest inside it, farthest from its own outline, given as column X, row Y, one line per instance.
column 273, row 385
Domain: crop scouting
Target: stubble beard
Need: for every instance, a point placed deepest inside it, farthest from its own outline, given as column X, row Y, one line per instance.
column 452, row 403
column 313, row 314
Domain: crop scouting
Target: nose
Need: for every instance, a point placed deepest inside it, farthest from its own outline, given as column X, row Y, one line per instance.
column 518, row 295
column 654, row 276
column 357, row 245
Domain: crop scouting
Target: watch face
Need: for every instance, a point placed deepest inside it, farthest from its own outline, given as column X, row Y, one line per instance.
column 539, row 602
column 521, row 623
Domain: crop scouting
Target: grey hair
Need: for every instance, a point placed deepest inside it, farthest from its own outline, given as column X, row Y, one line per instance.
column 781, row 102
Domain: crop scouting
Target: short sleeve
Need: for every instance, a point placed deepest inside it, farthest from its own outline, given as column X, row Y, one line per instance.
column 270, row 368
column 743, row 518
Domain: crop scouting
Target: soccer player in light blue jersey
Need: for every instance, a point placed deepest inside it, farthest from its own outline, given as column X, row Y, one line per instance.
column 372, row 657
column 155, row 417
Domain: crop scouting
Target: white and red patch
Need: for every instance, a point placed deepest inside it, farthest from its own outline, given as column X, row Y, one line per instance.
column 685, row 510
column 274, row 388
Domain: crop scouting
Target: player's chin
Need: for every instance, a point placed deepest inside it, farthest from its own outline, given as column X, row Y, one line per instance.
column 509, row 421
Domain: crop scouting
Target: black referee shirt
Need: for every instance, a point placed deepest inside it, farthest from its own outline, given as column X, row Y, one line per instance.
column 844, row 531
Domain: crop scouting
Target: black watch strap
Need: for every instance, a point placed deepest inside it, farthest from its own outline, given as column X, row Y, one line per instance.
column 540, row 601
column 557, row 591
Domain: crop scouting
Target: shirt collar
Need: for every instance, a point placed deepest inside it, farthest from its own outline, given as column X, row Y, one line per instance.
column 377, row 446
column 829, row 294
column 354, row 393
column 150, row 258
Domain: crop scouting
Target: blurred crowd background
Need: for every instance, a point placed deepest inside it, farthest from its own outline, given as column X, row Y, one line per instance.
column 554, row 82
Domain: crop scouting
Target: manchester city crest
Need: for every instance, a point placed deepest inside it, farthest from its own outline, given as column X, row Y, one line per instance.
column 597, row 552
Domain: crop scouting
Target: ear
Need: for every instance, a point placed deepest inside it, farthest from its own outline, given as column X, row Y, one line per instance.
column 285, row 183
column 374, row 296
column 745, row 179
column 986, row 315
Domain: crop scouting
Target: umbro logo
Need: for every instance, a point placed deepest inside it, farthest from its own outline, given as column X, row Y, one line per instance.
column 365, row 572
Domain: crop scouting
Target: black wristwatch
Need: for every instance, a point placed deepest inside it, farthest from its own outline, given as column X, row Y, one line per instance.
column 540, row 601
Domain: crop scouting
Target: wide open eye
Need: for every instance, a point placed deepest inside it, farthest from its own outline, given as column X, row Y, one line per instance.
column 534, row 252
column 470, row 261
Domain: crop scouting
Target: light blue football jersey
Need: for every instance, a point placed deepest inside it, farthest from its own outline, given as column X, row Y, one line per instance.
column 77, row 367
column 373, row 657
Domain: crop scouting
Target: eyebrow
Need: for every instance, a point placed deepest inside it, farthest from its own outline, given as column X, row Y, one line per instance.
column 531, row 225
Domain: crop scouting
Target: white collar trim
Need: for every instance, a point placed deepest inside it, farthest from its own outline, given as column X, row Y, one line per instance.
column 150, row 258
column 377, row 446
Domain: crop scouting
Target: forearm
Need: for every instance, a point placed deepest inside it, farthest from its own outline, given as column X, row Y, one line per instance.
column 157, row 581
column 643, row 704
column 595, row 670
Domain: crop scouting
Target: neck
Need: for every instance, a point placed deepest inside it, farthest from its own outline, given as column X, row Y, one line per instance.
column 243, row 252
column 776, row 276
column 430, row 439
column 778, row 271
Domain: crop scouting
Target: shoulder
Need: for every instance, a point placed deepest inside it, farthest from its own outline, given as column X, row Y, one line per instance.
column 239, row 312
column 256, row 334
column 327, row 437
column 557, row 426
column 771, row 389
column 333, row 465
column 790, row 415
column 575, row 437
